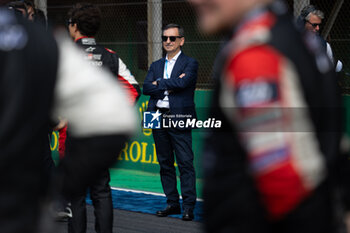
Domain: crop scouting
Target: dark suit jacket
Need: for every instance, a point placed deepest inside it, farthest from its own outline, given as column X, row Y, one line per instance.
column 181, row 97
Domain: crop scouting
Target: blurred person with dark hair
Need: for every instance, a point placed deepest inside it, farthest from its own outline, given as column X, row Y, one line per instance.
column 171, row 83
column 31, row 11
column 25, row 8
column 19, row 7
column 83, row 24
column 84, row 21
column 51, row 83
column 34, row 14
column 274, row 165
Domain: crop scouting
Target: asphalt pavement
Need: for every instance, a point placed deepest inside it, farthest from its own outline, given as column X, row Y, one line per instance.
column 133, row 222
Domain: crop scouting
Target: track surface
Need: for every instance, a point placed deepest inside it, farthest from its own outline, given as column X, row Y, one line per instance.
column 132, row 222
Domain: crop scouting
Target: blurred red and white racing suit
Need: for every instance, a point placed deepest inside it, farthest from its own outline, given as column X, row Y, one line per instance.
column 270, row 167
column 100, row 190
column 103, row 57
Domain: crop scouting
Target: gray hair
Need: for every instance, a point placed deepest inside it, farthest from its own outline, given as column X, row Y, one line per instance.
column 311, row 9
column 318, row 13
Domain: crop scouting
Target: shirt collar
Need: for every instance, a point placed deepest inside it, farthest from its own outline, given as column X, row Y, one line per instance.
column 86, row 40
column 175, row 57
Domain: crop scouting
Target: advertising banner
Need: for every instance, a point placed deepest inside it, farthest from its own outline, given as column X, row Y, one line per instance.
column 140, row 153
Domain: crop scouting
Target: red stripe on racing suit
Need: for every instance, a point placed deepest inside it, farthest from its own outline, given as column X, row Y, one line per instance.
column 129, row 88
column 286, row 165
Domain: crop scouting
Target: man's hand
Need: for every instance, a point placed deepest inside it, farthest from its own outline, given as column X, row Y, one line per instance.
column 169, row 91
column 181, row 76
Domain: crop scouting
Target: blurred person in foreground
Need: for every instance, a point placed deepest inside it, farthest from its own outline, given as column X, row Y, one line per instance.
column 27, row 11
column 35, row 14
column 19, row 7
column 40, row 17
column 84, row 21
column 54, row 82
column 31, row 11
column 274, row 164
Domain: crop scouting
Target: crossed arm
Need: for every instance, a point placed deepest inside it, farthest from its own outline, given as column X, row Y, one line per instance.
column 156, row 86
column 148, row 86
column 186, row 79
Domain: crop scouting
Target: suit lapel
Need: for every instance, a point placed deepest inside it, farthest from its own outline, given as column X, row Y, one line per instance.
column 162, row 64
column 178, row 65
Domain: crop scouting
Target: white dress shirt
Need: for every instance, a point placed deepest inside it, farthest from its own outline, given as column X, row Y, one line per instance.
column 168, row 68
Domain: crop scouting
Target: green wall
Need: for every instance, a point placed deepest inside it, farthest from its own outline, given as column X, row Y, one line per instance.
column 140, row 154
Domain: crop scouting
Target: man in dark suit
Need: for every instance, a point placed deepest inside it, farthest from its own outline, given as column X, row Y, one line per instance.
column 171, row 82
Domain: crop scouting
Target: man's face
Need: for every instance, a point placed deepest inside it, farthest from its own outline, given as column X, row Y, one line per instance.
column 313, row 24
column 72, row 28
column 217, row 15
column 172, row 46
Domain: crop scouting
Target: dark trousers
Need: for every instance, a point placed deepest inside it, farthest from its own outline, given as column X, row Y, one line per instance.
column 314, row 215
column 243, row 214
column 86, row 166
column 20, row 197
column 24, row 183
column 179, row 141
column 100, row 193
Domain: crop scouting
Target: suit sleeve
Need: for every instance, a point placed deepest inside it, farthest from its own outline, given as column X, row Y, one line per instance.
column 178, row 83
column 149, row 88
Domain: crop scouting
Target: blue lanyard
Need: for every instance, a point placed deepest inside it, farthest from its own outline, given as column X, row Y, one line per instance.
column 166, row 69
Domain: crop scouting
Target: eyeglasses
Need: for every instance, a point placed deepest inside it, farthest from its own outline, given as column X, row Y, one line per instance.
column 314, row 25
column 172, row 38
